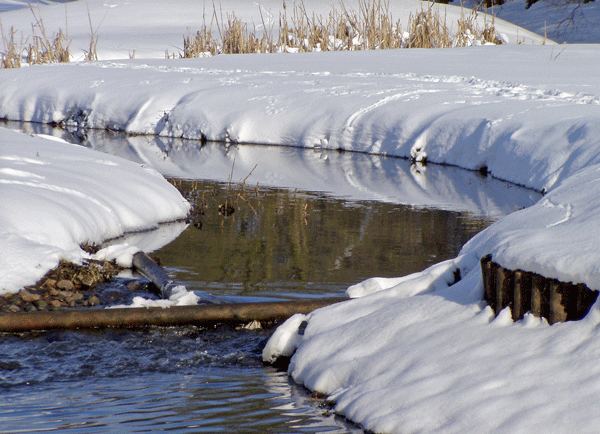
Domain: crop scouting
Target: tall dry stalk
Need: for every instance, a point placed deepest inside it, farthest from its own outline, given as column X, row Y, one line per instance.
column 43, row 49
column 11, row 57
column 370, row 27
column 427, row 29
column 91, row 54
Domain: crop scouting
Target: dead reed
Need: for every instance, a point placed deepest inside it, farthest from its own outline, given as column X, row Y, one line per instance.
column 369, row 27
column 45, row 49
column 11, row 57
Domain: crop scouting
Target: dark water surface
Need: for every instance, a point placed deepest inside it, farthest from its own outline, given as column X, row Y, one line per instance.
column 277, row 243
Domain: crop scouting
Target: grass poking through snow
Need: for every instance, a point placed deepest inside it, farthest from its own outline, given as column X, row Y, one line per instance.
column 369, row 27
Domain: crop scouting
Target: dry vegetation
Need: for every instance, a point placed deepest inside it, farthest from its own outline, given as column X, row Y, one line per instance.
column 370, row 27
column 37, row 49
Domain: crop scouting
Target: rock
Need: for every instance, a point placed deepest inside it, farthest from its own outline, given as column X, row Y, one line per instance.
column 134, row 285
column 14, row 308
column 65, row 285
column 30, row 308
column 29, row 297
column 49, row 284
column 90, row 276
column 41, row 304
column 56, row 304
column 93, row 301
column 64, row 295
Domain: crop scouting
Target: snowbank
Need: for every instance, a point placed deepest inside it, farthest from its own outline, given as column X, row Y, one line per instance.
column 562, row 21
column 529, row 114
column 422, row 353
column 56, row 196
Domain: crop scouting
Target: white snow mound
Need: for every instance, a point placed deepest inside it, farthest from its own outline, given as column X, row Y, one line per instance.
column 56, row 196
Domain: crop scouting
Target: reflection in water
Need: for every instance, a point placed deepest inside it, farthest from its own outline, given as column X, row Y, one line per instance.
column 340, row 174
column 286, row 243
column 277, row 243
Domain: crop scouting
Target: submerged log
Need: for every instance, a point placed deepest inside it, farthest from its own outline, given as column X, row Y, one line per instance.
column 146, row 266
column 202, row 315
column 524, row 292
column 154, row 273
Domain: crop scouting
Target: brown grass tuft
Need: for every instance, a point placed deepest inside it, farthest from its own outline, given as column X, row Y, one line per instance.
column 44, row 49
column 11, row 57
column 370, row 27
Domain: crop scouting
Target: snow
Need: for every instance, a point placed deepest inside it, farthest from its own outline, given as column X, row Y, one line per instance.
column 56, row 196
column 418, row 353
column 527, row 113
column 151, row 28
column 572, row 22
column 180, row 296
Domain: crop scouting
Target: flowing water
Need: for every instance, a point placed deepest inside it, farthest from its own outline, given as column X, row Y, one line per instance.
column 276, row 243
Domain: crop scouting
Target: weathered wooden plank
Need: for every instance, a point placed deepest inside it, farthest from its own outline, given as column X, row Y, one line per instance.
column 524, row 292
column 557, row 302
column 521, row 294
column 489, row 292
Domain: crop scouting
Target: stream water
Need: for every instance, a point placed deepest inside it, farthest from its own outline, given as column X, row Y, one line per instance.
column 279, row 243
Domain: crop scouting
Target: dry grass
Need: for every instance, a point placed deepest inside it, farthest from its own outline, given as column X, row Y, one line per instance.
column 11, row 56
column 469, row 31
column 370, row 27
column 428, row 30
column 91, row 54
column 44, row 49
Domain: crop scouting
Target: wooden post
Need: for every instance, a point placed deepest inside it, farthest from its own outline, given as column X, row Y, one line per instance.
column 525, row 291
column 488, row 281
column 504, row 288
column 586, row 298
column 537, row 287
column 557, row 308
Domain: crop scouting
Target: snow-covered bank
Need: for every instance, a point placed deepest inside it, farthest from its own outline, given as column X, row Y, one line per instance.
column 422, row 354
column 529, row 114
column 562, row 21
column 148, row 29
column 56, row 196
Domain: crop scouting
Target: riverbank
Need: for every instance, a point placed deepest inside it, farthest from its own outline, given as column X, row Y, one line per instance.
column 59, row 197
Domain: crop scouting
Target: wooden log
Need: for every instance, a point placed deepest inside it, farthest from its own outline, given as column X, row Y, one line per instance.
column 557, row 302
column 486, row 272
column 146, row 266
column 538, row 288
column 517, row 308
column 524, row 291
column 233, row 313
column 586, row 298
column 154, row 273
column 504, row 288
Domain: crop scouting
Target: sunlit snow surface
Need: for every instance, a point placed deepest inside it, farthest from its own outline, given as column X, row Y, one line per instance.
column 56, row 196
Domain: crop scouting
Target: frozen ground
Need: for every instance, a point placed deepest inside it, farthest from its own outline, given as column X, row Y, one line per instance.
column 417, row 353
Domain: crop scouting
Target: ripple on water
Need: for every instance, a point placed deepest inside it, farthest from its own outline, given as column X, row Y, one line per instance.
column 185, row 379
